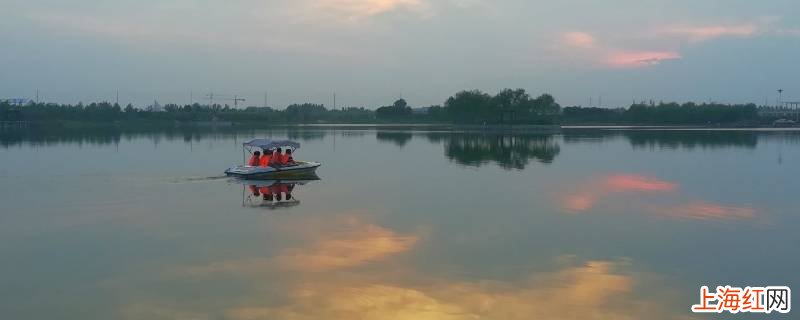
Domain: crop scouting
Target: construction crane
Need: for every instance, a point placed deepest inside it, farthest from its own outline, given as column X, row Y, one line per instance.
column 223, row 97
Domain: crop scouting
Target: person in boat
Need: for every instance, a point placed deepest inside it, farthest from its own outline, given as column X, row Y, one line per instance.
column 287, row 158
column 254, row 160
column 275, row 160
column 265, row 159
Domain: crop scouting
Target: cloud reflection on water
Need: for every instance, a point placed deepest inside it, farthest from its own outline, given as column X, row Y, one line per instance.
column 592, row 191
column 347, row 242
column 327, row 278
column 592, row 290
column 702, row 210
column 364, row 243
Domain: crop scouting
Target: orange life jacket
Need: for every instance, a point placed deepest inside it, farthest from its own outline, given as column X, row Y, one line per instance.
column 254, row 161
column 264, row 161
column 287, row 158
column 275, row 158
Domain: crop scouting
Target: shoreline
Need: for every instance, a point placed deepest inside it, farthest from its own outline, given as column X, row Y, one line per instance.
column 503, row 128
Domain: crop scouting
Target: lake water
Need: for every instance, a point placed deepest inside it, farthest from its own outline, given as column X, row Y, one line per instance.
column 587, row 224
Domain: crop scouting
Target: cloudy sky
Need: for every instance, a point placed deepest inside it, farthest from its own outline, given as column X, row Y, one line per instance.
column 371, row 51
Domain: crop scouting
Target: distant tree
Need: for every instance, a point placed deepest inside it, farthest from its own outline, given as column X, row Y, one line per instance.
column 690, row 113
column 592, row 115
column 399, row 109
column 305, row 112
column 508, row 105
column 400, row 104
column 437, row 113
column 469, row 106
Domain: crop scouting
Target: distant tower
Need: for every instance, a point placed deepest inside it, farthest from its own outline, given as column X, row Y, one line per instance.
column 780, row 97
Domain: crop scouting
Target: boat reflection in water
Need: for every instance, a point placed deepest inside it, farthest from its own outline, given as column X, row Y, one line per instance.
column 271, row 194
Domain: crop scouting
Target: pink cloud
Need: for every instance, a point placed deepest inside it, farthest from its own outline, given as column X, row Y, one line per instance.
column 591, row 192
column 583, row 45
column 358, row 9
column 703, row 33
column 633, row 182
column 634, row 59
column 595, row 190
column 667, row 40
column 706, row 211
column 579, row 39
column 578, row 202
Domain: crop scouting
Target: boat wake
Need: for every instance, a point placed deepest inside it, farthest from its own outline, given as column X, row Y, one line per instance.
column 198, row 179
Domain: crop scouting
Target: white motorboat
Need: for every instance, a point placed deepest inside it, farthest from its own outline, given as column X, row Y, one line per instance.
column 296, row 170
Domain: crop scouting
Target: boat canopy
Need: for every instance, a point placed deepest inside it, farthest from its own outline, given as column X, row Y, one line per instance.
column 267, row 144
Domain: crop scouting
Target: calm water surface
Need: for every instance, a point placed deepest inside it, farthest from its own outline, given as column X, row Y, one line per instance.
column 588, row 224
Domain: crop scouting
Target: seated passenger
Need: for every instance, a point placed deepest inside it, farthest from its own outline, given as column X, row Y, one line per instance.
column 265, row 159
column 287, row 158
column 254, row 160
column 275, row 160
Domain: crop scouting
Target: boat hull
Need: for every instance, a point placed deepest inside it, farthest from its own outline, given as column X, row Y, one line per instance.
column 303, row 170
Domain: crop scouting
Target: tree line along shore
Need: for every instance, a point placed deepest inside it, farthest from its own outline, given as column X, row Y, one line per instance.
column 474, row 107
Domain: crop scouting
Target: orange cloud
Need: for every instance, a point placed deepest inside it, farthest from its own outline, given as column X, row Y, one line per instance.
column 703, row 33
column 707, row 211
column 364, row 244
column 579, row 39
column 633, row 59
column 595, row 290
column 361, row 243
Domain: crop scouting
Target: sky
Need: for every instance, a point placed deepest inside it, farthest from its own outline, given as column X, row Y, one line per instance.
column 370, row 52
